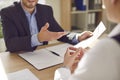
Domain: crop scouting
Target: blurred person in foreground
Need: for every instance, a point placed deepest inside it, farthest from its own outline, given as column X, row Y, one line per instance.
column 102, row 62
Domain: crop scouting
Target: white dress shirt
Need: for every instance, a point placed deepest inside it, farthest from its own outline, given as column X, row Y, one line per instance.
column 102, row 62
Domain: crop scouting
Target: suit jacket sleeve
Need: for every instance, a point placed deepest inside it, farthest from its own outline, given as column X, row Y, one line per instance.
column 13, row 39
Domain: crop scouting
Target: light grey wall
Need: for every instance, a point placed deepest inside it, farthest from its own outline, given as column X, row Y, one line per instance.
column 55, row 4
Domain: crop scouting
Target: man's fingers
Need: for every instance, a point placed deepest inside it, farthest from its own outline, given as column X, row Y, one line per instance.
column 61, row 33
column 45, row 27
column 57, row 35
column 85, row 35
column 88, row 34
column 47, row 24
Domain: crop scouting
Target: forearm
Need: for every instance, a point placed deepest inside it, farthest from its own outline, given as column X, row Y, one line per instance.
column 18, row 44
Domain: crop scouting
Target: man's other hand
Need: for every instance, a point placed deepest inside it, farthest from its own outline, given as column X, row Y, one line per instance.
column 85, row 35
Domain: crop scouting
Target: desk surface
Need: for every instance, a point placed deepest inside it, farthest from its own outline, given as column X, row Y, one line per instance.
column 12, row 62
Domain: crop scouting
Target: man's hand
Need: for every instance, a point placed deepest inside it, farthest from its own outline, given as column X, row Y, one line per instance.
column 46, row 35
column 72, row 57
column 85, row 35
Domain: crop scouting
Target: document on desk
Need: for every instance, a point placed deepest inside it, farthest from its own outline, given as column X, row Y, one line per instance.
column 96, row 34
column 42, row 58
column 24, row 74
column 59, row 49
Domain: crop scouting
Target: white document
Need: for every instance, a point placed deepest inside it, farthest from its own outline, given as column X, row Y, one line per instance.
column 96, row 34
column 42, row 58
column 59, row 49
column 3, row 75
column 24, row 74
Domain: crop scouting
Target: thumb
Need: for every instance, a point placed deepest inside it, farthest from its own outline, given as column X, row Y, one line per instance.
column 46, row 26
column 77, row 52
column 67, row 52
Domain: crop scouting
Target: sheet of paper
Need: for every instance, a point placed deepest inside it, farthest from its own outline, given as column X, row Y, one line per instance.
column 42, row 58
column 59, row 49
column 24, row 74
column 96, row 34
column 3, row 75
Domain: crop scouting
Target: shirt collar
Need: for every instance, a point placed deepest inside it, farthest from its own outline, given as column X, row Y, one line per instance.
column 27, row 13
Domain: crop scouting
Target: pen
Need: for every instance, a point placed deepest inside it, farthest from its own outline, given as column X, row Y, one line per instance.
column 55, row 53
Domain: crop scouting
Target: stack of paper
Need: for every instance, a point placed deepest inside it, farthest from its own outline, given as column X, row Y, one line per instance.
column 24, row 74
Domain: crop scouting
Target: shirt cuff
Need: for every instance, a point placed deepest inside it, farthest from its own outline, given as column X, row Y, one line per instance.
column 35, row 41
column 62, row 74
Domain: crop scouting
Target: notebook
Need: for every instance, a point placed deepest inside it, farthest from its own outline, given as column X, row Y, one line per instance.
column 41, row 59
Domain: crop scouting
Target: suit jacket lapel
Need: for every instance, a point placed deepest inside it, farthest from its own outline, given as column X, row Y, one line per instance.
column 40, row 17
column 39, row 21
column 23, row 19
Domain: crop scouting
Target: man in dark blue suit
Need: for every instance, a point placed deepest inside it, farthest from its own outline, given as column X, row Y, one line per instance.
column 28, row 24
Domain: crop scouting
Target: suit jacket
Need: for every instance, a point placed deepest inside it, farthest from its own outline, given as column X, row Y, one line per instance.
column 16, row 27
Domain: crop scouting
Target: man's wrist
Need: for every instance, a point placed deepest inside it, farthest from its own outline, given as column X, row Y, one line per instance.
column 39, row 39
column 35, row 41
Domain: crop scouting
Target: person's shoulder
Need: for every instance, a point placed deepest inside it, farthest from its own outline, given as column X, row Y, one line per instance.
column 108, row 45
column 9, row 8
column 44, row 6
column 108, row 41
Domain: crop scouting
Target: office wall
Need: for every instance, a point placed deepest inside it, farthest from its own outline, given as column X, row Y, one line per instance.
column 55, row 4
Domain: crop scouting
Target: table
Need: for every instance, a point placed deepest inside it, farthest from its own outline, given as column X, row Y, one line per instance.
column 12, row 62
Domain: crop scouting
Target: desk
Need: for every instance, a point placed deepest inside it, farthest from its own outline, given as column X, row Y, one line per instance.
column 12, row 62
